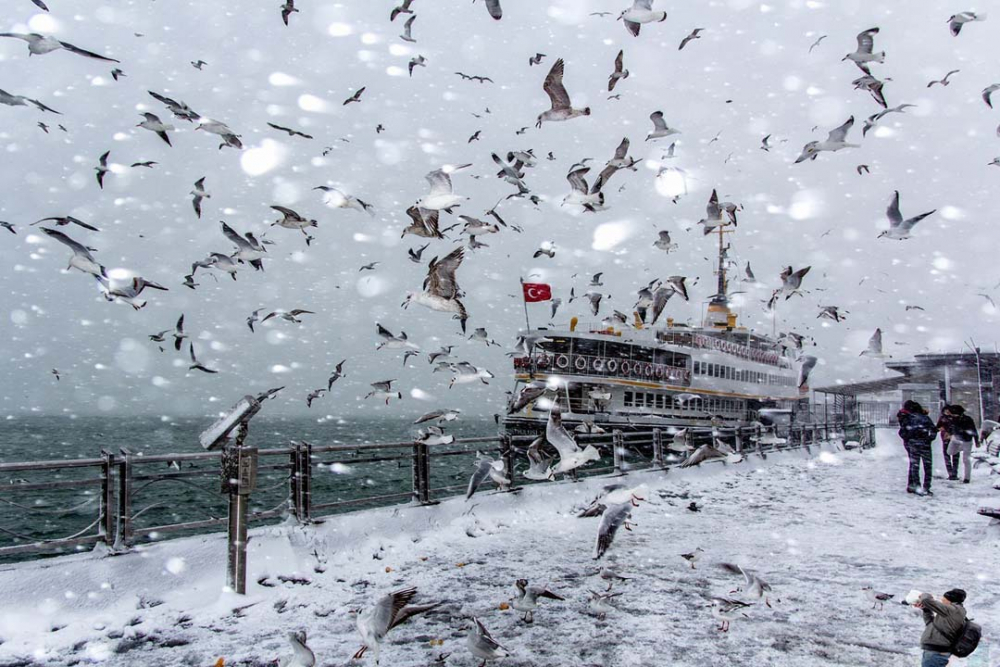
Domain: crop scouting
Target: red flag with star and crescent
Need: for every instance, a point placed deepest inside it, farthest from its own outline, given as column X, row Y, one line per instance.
column 534, row 292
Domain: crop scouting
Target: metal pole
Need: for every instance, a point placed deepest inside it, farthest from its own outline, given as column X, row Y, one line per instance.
column 509, row 458
column 305, row 482
column 527, row 324
column 658, row 448
column 295, row 482
column 236, row 567
column 618, row 446
column 239, row 475
column 417, row 473
column 107, row 525
column 123, row 539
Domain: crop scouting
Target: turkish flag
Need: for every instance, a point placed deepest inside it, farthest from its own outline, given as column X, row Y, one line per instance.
column 534, row 292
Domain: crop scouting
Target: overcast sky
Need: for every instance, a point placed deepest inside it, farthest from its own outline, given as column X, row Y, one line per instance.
column 750, row 74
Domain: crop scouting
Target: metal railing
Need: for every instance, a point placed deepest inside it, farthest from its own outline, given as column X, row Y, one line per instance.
column 585, row 364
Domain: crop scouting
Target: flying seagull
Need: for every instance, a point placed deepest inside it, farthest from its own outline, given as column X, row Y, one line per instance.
column 562, row 108
column 640, row 12
column 487, row 468
column 863, row 55
column 614, row 517
column 356, row 97
column 128, row 293
column 21, row 101
column 493, row 7
column 619, row 73
column 441, row 195
column 407, row 35
column 956, row 21
column 403, row 8
column 39, row 45
column 290, row 132
column 660, row 128
column 694, row 35
column 153, row 123
column 196, row 365
column 944, row 80
column 441, row 291
column 340, row 199
column 899, row 228
column 102, row 168
column 874, row 348
column 389, row 611
column 835, row 141
column 198, row 194
column 287, row 10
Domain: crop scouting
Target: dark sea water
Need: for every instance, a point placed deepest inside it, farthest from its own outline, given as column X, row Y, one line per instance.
column 30, row 515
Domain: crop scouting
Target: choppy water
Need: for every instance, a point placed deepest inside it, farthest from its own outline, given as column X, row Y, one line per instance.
column 50, row 514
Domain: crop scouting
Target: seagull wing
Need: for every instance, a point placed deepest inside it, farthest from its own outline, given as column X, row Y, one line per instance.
column 895, row 217
column 440, row 183
column 866, row 40
column 612, row 519
column 493, row 7
column 441, row 274
column 840, row 134
column 77, row 248
column 554, row 88
column 236, row 239
column 602, row 178
column 576, row 180
column 558, row 436
column 659, row 124
column 909, row 223
column 479, row 476
column 83, row 52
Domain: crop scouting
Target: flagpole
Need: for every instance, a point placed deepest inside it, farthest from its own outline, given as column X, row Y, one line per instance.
column 527, row 323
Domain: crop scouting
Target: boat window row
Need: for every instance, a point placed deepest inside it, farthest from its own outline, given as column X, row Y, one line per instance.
column 711, row 404
column 613, row 350
column 740, row 374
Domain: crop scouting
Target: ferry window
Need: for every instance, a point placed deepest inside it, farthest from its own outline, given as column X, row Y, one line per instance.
column 628, row 399
column 650, row 400
column 616, row 350
column 555, row 345
column 659, row 401
column 729, row 372
column 643, row 354
column 716, row 370
column 593, row 348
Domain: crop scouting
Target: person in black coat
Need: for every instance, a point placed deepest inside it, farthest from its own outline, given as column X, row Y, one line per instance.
column 917, row 432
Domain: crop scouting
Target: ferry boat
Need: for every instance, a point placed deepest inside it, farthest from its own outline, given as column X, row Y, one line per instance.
column 641, row 377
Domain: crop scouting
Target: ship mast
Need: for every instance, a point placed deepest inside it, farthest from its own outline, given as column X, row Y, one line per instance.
column 719, row 315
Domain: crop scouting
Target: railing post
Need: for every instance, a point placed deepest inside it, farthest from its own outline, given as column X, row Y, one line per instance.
column 417, row 471
column 295, row 482
column 618, row 447
column 658, row 448
column 739, row 440
column 123, row 537
column 509, row 455
column 305, row 482
column 239, row 477
column 107, row 525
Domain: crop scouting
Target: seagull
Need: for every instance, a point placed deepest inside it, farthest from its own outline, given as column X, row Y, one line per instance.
column 591, row 199
column 289, row 131
column 527, row 600
column 407, row 35
column 302, row 655
column 727, row 609
column 640, row 12
column 944, row 81
column 217, row 261
column 154, row 124
column 39, row 45
column 22, row 101
column 493, row 7
column 753, row 585
column 595, row 301
column 570, row 454
column 198, row 194
column 831, row 313
column 356, row 97
column 536, row 59
column 424, row 223
column 102, row 168
column 179, row 334
column 81, row 258
column 383, row 390
column 434, row 435
column 292, row 220
column 443, row 353
column 956, row 21
column 539, row 467
column 287, row 10
column 556, row 302
column 816, row 43
column 391, row 341
column 805, row 368
column 660, row 128
column 248, row 248
column 749, row 274
column 229, row 138
column 198, row 64
column 128, row 294
column 613, row 494
column 693, row 557
column 403, row 8
column 487, row 468
column 527, row 395
column 418, row 61
column 862, row 169
column 873, row 86
column 9, row 227
column 706, row 453
column 340, row 199
column 874, row 119
column 441, row 291
column 835, row 141
column 41, row 5
column 863, row 55
column 62, row 221
column 313, row 395
column 441, row 196
column 338, row 373
column 369, row 267
column 466, row 373
column 989, row 90
column 442, row 415
column 694, row 35
column 598, row 604
column 254, row 317
column 389, row 611
column 874, row 348
column 619, row 73
column 878, row 598
column 480, row 79
column 791, row 280
column 764, row 146
column 595, row 281
column 289, row 316
column 196, row 365
column 562, row 109
column 899, row 228
column 482, row 645
column 613, row 518
column 179, row 109
column 147, row 164
column 416, row 254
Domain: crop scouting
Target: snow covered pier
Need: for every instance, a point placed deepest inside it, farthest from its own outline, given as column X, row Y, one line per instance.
column 817, row 525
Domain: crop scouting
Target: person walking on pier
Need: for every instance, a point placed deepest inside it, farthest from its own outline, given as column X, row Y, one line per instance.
column 917, row 432
column 946, row 425
column 964, row 433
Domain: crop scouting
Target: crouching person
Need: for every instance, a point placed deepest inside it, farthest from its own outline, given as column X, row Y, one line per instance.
column 944, row 621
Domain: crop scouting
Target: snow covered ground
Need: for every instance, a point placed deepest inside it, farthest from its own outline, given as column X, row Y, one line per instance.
column 818, row 527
